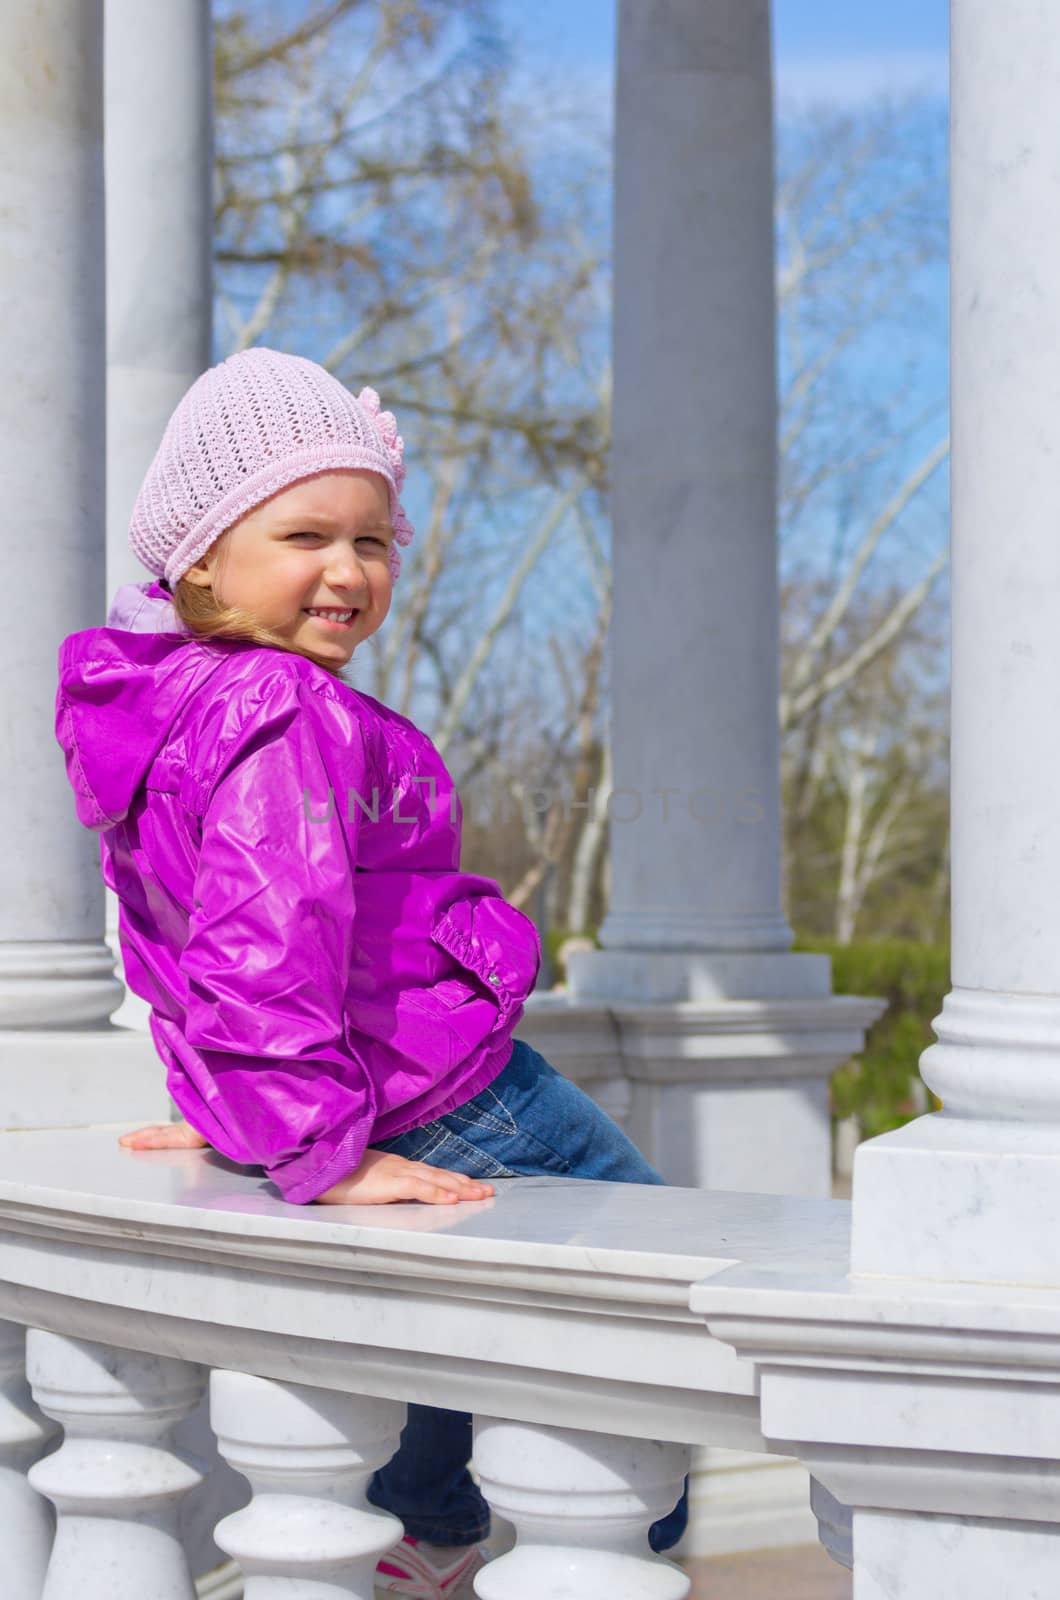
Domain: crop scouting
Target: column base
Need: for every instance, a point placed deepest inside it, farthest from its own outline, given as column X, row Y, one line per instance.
column 582, row 1041
column 728, row 1094
column 45, row 982
column 959, row 1200
column 659, row 976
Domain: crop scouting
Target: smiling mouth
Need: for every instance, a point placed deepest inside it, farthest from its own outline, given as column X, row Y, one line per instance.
column 334, row 622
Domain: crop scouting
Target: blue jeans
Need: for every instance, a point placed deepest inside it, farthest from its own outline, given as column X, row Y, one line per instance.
column 530, row 1122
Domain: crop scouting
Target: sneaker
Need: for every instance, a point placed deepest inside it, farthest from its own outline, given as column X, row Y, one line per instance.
column 415, row 1568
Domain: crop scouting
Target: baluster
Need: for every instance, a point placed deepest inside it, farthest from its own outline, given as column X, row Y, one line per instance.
column 116, row 1480
column 27, row 1519
column 582, row 1504
column 309, row 1533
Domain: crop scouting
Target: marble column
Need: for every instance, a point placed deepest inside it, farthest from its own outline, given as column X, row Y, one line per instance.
column 973, row 1192
column 695, row 1019
column 60, row 1061
column 695, row 905
column 695, row 841
column 159, row 163
column 725, row 1035
column 54, row 961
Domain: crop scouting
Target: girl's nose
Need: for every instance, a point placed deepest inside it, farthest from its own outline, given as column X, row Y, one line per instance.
column 344, row 571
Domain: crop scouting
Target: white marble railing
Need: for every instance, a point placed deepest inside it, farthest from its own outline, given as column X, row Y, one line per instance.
column 595, row 1331
column 557, row 1313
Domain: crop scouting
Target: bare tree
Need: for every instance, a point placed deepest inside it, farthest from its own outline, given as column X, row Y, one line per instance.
column 865, row 813
column 861, row 227
column 380, row 205
column 861, row 251
column 377, row 208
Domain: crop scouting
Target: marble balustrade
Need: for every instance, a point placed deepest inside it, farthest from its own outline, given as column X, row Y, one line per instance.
column 557, row 1313
column 597, row 1332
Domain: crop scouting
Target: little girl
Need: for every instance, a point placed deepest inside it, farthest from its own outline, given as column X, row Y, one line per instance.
column 333, row 998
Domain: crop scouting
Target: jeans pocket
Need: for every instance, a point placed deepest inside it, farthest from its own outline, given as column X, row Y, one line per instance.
column 415, row 1145
column 490, row 1126
column 468, row 1156
column 437, row 1145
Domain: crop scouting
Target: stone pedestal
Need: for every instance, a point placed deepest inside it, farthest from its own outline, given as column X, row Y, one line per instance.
column 723, row 1095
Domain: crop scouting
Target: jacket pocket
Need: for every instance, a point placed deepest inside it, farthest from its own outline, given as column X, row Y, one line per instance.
column 495, row 943
column 468, row 1014
column 453, row 991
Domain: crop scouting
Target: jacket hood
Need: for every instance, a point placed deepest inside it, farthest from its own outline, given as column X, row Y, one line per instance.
column 144, row 608
column 120, row 691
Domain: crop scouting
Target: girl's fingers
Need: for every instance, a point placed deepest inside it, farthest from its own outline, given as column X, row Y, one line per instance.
column 139, row 1137
column 415, row 1180
column 163, row 1136
column 433, row 1193
column 458, row 1192
column 441, row 1186
column 454, row 1180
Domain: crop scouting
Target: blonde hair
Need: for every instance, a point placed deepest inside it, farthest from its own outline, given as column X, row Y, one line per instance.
column 206, row 618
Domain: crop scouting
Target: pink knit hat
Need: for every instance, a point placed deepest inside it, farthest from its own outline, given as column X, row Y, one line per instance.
column 247, row 428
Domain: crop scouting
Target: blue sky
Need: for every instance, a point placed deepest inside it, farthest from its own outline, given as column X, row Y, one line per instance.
column 844, row 54
column 831, row 49
column 825, row 28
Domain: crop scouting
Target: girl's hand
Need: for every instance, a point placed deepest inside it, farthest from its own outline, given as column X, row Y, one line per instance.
column 381, row 1178
column 164, row 1136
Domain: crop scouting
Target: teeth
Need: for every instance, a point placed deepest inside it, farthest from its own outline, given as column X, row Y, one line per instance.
column 336, row 616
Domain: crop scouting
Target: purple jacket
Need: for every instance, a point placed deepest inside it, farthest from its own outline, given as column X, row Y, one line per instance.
column 286, row 853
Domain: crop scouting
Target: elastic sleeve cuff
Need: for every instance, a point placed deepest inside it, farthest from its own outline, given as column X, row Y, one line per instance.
column 304, row 1177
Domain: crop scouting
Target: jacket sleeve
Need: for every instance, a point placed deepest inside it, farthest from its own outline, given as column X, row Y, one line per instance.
column 270, row 942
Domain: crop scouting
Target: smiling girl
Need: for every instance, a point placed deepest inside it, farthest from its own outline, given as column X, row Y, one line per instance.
column 333, row 999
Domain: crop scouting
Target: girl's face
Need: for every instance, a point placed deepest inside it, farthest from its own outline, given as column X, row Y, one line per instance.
column 322, row 543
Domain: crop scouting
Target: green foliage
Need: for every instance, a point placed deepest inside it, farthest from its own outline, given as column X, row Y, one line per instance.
column 554, row 938
column 882, row 1086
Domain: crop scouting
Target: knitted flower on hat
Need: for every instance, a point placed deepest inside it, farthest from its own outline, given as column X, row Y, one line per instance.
column 247, row 428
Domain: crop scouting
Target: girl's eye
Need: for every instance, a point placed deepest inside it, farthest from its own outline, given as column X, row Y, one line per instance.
column 307, row 533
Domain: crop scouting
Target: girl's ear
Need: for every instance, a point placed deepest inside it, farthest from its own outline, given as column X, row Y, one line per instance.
column 210, row 564
column 199, row 575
